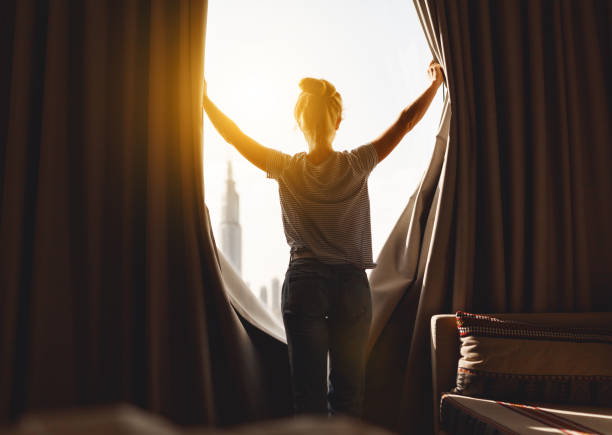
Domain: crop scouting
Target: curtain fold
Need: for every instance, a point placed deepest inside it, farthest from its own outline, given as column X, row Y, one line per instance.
column 110, row 285
column 519, row 221
column 249, row 306
column 400, row 260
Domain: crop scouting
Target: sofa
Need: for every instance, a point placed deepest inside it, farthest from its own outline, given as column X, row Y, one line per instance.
column 484, row 415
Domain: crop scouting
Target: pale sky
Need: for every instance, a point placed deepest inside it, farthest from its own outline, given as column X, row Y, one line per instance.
column 375, row 54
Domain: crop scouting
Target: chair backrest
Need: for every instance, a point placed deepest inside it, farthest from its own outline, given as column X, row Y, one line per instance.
column 445, row 343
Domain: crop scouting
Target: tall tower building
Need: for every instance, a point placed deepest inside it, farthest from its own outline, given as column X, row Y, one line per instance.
column 263, row 294
column 231, row 233
column 275, row 295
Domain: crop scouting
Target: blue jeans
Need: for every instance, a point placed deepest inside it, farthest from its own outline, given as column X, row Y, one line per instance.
column 326, row 307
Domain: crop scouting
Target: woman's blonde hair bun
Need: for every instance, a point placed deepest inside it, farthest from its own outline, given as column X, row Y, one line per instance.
column 320, row 87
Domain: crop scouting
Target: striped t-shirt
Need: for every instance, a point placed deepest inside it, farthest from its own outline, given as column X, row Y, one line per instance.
column 325, row 206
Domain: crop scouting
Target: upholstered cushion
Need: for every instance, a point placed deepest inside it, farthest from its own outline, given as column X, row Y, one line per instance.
column 461, row 415
column 518, row 361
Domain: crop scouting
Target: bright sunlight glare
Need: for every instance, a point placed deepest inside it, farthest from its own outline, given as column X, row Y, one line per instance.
column 375, row 54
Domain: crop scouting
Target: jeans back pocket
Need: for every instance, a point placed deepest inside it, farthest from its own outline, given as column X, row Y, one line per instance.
column 305, row 293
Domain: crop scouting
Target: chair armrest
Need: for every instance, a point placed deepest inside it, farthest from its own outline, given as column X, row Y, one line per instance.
column 444, row 358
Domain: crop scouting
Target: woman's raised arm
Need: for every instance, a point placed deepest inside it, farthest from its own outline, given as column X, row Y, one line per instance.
column 411, row 115
column 253, row 151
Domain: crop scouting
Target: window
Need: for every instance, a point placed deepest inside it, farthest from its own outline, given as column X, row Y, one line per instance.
column 375, row 54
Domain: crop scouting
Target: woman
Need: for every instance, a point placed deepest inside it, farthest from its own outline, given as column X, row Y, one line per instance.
column 325, row 298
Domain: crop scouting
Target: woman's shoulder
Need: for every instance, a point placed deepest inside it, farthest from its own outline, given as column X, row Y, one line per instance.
column 362, row 158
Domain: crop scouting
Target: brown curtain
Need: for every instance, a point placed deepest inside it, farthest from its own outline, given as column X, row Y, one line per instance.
column 520, row 218
column 109, row 281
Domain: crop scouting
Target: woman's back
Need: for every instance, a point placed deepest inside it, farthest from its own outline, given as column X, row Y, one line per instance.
column 325, row 206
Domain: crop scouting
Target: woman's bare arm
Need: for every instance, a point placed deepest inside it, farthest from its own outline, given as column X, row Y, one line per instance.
column 249, row 148
column 410, row 116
